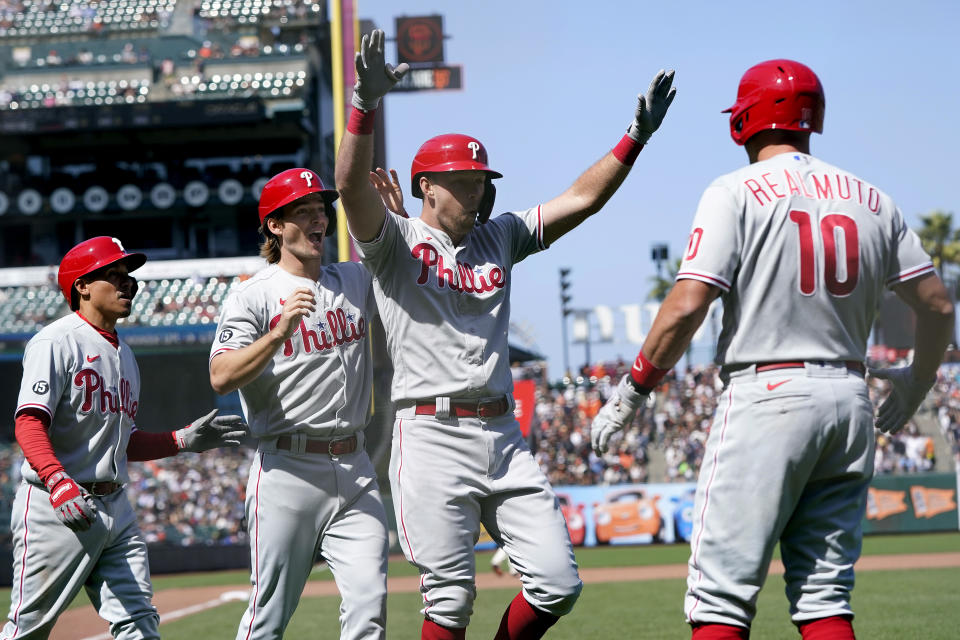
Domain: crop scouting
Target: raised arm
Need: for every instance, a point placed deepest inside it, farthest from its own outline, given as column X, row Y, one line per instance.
column 361, row 202
column 593, row 188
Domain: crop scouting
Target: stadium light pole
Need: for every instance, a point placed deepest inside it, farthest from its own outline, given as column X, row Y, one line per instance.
column 565, row 299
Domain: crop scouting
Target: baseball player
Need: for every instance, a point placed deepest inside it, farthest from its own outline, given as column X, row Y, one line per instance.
column 800, row 252
column 294, row 340
column 442, row 283
column 72, row 524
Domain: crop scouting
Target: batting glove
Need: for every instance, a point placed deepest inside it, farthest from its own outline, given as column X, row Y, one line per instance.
column 210, row 432
column 72, row 507
column 906, row 394
column 374, row 76
column 652, row 107
column 616, row 414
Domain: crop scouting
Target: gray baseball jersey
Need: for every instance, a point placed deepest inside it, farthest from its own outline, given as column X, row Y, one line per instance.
column 299, row 503
column 445, row 309
column 802, row 251
column 90, row 390
column 319, row 380
column 796, row 237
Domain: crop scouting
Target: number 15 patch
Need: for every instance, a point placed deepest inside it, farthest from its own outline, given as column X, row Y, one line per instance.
column 40, row 387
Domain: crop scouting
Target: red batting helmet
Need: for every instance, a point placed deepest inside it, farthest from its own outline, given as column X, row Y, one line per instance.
column 90, row 255
column 777, row 94
column 292, row 184
column 449, row 152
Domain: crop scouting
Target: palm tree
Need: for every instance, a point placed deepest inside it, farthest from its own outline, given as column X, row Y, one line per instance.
column 940, row 239
column 661, row 284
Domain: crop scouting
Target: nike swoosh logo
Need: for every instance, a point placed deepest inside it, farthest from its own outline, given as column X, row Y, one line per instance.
column 771, row 386
column 92, row 358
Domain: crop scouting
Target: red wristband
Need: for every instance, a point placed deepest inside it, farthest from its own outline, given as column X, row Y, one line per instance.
column 645, row 375
column 627, row 150
column 361, row 122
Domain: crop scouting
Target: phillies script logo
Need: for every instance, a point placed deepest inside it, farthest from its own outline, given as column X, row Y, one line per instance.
column 340, row 328
column 471, row 279
column 97, row 397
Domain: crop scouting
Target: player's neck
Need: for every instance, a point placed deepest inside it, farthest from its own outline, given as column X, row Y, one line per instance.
column 97, row 318
column 431, row 218
column 767, row 144
column 309, row 269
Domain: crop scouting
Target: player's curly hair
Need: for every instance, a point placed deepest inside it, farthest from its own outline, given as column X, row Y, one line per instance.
column 270, row 247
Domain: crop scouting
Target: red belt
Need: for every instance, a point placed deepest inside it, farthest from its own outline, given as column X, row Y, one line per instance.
column 339, row 447
column 852, row 365
column 467, row 408
column 100, row 488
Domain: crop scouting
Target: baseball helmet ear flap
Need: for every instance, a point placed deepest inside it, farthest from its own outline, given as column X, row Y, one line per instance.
column 486, row 202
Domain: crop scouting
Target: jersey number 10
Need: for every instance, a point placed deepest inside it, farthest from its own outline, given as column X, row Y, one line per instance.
column 840, row 268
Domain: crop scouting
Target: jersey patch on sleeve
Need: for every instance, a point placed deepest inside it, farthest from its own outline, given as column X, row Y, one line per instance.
column 40, row 387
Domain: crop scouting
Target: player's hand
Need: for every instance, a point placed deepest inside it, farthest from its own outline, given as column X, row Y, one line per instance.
column 388, row 186
column 72, row 506
column 652, row 107
column 616, row 414
column 375, row 77
column 210, row 432
column 906, row 395
column 298, row 305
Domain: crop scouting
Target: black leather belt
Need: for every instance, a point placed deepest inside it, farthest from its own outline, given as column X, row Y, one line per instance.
column 100, row 488
column 467, row 408
column 340, row 447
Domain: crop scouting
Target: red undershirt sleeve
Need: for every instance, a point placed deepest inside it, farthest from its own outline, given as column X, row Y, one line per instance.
column 30, row 430
column 151, row 446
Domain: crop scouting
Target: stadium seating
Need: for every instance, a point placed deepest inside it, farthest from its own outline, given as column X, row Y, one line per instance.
column 159, row 303
column 279, row 84
column 104, row 92
column 37, row 19
column 253, row 11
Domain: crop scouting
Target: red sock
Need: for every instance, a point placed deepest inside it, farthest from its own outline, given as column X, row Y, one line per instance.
column 719, row 632
column 522, row 621
column 832, row 628
column 432, row 631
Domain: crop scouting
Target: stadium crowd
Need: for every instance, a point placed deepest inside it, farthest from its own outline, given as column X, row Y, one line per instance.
column 199, row 499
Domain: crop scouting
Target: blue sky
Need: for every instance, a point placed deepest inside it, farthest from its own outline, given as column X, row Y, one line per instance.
column 549, row 87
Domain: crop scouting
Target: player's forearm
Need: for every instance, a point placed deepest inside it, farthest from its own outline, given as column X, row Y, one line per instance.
column 934, row 333
column 930, row 301
column 680, row 315
column 585, row 197
column 364, row 208
column 231, row 370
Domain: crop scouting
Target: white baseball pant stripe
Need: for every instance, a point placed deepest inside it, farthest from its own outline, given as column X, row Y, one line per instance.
column 789, row 462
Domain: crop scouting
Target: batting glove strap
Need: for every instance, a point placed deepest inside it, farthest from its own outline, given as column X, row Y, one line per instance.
column 69, row 503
